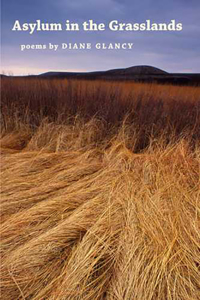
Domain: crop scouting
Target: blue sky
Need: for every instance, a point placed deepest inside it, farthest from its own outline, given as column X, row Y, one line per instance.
column 171, row 51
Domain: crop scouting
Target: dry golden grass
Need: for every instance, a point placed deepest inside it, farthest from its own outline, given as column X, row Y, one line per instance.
column 89, row 211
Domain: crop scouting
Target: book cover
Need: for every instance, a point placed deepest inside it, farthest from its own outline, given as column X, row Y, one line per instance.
column 100, row 150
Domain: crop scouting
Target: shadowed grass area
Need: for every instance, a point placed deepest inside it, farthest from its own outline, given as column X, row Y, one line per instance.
column 148, row 108
column 99, row 203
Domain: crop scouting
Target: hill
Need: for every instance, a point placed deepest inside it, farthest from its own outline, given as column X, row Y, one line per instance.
column 139, row 70
column 136, row 73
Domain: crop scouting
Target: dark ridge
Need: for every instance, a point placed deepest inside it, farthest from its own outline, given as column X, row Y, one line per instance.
column 139, row 70
column 134, row 73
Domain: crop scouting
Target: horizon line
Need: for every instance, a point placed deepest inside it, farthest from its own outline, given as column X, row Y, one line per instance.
column 10, row 73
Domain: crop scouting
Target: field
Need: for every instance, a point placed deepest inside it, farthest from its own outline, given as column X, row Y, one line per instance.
column 100, row 190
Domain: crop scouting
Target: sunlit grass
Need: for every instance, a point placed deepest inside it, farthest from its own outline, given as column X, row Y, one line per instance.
column 100, row 190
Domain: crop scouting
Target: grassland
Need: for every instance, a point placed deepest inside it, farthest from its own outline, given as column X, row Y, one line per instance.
column 100, row 190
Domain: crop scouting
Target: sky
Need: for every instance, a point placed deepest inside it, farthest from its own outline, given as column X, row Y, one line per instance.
column 171, row 51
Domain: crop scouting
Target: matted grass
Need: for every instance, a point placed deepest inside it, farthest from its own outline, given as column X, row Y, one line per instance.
column 103, row 203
